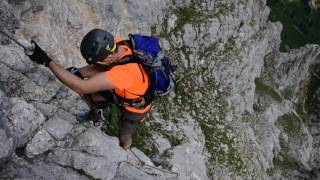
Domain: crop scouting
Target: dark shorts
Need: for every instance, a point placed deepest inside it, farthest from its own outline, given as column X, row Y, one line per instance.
column 130, row 121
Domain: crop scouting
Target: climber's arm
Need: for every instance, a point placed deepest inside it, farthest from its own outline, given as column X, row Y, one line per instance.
column 96, row 83
column 91, row 69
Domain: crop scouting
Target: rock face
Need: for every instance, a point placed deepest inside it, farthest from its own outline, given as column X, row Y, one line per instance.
column 240, row 110
column 8, row 19
column 293, row 104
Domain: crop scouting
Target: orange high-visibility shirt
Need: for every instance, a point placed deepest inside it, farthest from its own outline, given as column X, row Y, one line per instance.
column 129, row 80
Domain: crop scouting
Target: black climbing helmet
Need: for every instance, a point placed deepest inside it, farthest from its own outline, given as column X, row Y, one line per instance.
column 97, row 45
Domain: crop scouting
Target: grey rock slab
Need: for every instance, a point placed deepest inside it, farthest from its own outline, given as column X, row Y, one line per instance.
column 7, row 146
column 61, row 156
column 91, row 164
column 128, row 171
column 24, row 120
column 138, row 155
column 14, row 57
column 161, row 143
column 19, row 168
column 7, row 20
column 75, row 21
column 188, row 162
column 96, row 142
column 39, row 144
column 69, row 101
column 95, row 166
column 58, row 127
column 46, row 109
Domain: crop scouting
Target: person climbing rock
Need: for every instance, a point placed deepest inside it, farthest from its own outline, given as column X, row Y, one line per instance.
column 129, row 73
column 101, row 77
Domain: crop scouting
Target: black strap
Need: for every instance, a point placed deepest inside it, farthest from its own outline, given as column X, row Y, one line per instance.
column 126, row 43
column 126, row 60
column 138, row 102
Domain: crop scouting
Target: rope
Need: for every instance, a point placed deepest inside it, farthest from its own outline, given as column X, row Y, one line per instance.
column 142, row 163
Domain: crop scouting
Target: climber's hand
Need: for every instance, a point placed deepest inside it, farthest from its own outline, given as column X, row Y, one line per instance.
column 38, row 55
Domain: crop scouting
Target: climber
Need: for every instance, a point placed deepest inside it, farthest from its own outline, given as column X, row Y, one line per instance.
column 101, row 77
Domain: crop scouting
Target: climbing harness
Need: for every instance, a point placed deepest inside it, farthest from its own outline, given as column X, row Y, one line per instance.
column 142, row 164
column 105, row 123
column 96, row 122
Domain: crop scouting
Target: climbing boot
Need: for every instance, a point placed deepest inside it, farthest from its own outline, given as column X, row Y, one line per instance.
column 93, row 115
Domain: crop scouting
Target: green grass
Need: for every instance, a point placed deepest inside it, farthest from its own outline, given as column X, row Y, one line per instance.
column 142, row 138
column 208, row 110
column 220, row 140
column 291, row 124
column 263, row 89
column 308, row 102
column 312, row 102
column 190, row 14
column 283, row 161
column 301, row 24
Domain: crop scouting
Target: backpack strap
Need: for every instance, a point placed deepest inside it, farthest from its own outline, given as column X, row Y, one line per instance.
column 129, row 58
column 126, row 43
column 138, row 102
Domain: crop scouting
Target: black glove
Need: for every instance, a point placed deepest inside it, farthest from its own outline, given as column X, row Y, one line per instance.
column 38, row 55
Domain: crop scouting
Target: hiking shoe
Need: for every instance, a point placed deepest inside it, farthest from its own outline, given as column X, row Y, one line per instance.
column 87, row 116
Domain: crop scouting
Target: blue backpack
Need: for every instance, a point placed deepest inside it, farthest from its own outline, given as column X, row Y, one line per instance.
column 148, row 53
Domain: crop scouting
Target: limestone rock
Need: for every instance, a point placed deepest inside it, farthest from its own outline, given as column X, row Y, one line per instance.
column 39, row 144
column 241, row 109
column 7, row 20
column 21, row 168
column 24, row 120
column 7, row 146
column 58, row 127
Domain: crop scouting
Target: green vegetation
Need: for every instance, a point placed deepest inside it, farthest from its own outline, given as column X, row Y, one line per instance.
column 287, row 93
column 264, row 89
column 142, row 138
column 258, row 107
column 312, row 102
column 209, row 110
column 291, row 124
column 220, row 137
column 112, row 115
column 308, row 102
column 166, row 155
column 225, row 7
column 210, row 107
column 220, row 143
column 188, row 15
column 300, row 22
column 283, row 161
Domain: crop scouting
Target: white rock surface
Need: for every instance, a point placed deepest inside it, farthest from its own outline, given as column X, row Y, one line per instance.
column 220, row 123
